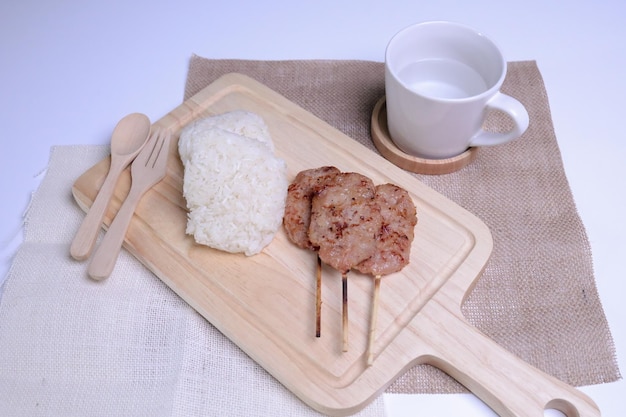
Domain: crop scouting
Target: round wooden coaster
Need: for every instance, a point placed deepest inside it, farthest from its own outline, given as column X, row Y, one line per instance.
column 382, row 141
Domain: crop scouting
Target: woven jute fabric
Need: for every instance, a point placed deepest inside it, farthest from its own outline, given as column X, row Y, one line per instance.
column 125, row 346
column 537, row 296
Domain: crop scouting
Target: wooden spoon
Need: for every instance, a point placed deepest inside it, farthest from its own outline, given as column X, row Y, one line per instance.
column 129, row 136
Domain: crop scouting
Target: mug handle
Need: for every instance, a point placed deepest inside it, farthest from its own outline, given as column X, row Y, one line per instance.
column 515, row 110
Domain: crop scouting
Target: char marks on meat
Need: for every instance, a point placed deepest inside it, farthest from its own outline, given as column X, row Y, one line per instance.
column 345, row 220
column 396, row 234
column 298, row 205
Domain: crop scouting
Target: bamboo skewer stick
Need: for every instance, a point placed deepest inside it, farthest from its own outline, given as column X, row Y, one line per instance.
column 318, row 301
column 374, row 319
column 344, row 286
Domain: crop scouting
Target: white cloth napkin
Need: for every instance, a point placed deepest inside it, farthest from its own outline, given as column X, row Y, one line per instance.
column 127, row 346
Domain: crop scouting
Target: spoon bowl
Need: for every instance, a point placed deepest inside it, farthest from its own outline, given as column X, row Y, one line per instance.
column 130, row 134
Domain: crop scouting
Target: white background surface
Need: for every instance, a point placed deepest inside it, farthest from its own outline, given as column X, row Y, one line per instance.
column 69, row 70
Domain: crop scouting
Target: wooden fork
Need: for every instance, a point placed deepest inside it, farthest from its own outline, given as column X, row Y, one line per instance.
column 147, row 170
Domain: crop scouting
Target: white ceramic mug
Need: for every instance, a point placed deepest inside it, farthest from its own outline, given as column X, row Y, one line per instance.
column 441, row 79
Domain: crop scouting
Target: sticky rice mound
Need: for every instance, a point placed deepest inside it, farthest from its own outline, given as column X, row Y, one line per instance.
column 234, row 185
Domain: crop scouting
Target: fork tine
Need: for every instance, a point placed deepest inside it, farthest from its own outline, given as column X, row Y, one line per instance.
column 163, row 147
column 144, row 156
column 161, row 135
column 156, row 145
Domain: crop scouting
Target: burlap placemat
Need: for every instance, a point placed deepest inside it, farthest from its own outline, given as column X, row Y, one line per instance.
column 537, row 297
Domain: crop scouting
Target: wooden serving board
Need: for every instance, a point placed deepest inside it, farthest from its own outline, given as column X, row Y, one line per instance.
column 266, row 303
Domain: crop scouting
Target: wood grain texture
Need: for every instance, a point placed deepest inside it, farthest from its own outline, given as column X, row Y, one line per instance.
column 266, row 303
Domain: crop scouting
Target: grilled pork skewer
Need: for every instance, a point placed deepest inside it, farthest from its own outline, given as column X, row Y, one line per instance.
column 393, row 245
column 342, row 209
column 345, row 223
column 298, row 217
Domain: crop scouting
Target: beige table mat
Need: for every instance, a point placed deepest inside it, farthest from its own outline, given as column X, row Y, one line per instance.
column 127, row 346
column 537, row 296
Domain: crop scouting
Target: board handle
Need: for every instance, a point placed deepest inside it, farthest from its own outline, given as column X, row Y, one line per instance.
column 507, row 384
